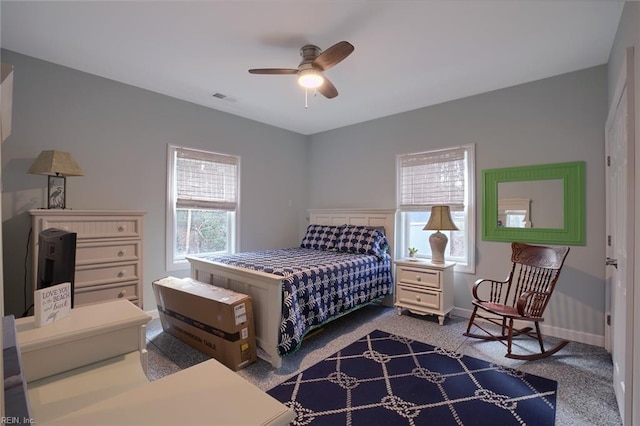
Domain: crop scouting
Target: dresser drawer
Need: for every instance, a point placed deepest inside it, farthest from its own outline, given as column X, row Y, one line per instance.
column 83, row 296
column 420, row 277
column 92, row 275
column 97, row 227
column 419, row 297
column 101, row 252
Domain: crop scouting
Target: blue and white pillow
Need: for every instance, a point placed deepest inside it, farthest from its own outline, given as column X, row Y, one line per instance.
column 320, row 237
column 363, row 240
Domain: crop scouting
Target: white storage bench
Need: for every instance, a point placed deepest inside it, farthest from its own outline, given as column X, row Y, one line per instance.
column 88, row 369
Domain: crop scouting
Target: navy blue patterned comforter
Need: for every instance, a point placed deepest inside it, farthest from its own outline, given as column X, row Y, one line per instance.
column 318, row 285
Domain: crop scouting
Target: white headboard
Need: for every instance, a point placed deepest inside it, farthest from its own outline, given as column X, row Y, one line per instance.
column 362, row 217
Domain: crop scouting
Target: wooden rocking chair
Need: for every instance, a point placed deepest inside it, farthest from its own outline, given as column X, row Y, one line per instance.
column 523, row 296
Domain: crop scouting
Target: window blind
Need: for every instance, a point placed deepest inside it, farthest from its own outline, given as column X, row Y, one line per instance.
column 206, row 180
column 430, row 178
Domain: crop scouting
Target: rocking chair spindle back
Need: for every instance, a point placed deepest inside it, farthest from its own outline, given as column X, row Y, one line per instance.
column 523, row 296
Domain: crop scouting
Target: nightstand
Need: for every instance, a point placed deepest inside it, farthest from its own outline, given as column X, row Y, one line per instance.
column 424, row 288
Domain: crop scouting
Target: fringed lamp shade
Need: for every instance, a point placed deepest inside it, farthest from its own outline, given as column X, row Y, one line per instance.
column 57, row 165
column 440, row 220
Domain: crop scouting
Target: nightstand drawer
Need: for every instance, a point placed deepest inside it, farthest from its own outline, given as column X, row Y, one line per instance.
column 419, row 296
column 420, row 277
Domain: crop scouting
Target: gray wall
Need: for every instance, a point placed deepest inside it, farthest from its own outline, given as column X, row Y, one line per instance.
column 628, row 34
column 548, row 121
column 119, row 136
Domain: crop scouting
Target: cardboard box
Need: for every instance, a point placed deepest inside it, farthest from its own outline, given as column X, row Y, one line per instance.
column 214, row 320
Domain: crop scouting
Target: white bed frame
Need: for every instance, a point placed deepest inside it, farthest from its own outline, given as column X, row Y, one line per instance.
column 266, row 289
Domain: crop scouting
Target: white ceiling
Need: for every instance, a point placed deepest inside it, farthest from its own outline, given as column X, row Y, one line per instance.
column 408, row 54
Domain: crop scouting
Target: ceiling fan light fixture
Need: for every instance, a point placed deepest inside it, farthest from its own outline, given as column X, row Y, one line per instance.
column 314, row 63
column 310, row 78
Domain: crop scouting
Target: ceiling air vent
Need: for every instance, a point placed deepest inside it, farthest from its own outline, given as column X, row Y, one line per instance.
column 224, row 97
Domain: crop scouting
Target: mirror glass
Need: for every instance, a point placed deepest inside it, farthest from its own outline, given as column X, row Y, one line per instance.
column 531, row 204
column 535, row 204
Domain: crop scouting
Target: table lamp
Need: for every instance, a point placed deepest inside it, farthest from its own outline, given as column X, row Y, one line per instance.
column 57, row 165
column 440, row 220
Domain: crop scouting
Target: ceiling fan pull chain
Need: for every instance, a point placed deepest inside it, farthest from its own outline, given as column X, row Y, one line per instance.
column 306, row 103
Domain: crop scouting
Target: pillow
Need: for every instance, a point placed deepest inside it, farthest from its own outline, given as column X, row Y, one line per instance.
column 363, row 240
column 320, row 237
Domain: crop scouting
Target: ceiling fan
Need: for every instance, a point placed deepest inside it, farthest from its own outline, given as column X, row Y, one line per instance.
column 314, row 62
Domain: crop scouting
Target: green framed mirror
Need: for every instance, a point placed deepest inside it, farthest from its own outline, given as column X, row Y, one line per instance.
column 536, row 204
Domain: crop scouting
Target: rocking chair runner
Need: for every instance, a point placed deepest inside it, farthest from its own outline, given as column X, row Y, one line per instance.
column 523, row 296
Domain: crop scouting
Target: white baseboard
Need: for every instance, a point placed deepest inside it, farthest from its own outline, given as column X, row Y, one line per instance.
column 561, row 333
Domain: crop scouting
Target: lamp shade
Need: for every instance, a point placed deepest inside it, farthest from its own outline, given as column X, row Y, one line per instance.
column 55, row 163
column 440, row 220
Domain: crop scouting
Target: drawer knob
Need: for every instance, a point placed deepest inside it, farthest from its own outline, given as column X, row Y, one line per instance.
column 122, row 294
column 121, row 253
column 120, row 228
column 418, row 298
column 418, row 278
column 120, row 274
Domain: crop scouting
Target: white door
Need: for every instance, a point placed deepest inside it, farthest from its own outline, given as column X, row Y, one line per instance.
column 620, row 246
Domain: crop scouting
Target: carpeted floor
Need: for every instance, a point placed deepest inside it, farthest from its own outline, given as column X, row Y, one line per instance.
column 583, row 372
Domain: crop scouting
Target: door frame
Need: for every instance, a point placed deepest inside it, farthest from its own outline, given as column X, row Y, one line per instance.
column 626, row 80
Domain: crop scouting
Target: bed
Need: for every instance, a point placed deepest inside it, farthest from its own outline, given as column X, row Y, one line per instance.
column 290, row 287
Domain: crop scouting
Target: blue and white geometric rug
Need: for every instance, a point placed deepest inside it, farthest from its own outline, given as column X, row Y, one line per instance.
column 384, row 379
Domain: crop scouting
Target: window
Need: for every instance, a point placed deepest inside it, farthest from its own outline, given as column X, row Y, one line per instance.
column 202, row 204
column 438, row 177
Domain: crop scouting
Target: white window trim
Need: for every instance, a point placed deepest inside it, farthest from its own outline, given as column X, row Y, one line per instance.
column 470, row 209
column 170, row 263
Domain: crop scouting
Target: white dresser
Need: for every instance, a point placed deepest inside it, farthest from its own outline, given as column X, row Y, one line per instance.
column 108, row 251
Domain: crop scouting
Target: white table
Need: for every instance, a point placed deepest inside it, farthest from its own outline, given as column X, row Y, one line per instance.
column 205, row 394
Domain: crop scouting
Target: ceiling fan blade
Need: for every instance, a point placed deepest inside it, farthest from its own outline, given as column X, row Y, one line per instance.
column 273, row 71
column 333, row 55
column 328, row 89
